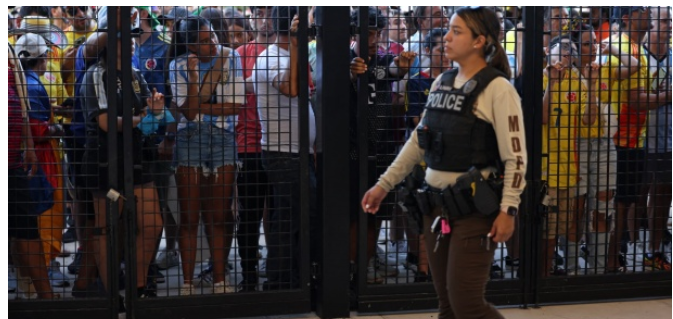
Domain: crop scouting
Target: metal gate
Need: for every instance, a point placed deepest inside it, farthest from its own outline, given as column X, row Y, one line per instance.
column 342, row 259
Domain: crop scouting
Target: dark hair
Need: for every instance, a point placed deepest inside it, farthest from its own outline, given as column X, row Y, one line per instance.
column 233, row 17
column 30, row 64
column 186, row 31
column 375, row 18
column 482, row 21
column 282, row 17
column 39, row 11
column 435, row 33
column 577, row 29
column 419, row 13
column 218, row 23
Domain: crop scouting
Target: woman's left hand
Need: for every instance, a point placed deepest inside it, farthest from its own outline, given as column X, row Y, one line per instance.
column 156, row 101
column 503, row 227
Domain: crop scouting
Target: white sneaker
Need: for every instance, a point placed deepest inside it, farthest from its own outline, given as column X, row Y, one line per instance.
column 261, row 271
column 223, row 287
column 397, row 252
column 25, row 288
column 187, row 290
column 373, row 276
column 56, row 277
column 385, row 270
column 634, row 256
column 167, row 259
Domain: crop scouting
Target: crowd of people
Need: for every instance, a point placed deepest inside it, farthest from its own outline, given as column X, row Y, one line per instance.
column 215, row 116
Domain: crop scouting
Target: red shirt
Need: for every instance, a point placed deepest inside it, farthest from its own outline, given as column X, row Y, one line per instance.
column 395, row 48
column 604, row 31
column 15, row 122
column 248, row 128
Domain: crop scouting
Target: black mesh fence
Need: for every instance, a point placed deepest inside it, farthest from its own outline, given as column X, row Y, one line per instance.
column 179, row 156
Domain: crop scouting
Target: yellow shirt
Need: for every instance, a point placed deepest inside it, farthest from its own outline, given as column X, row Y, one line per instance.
column 559, row 135
column 52, row 81
column 509, row 43
column 631, row 121
column 75, row 36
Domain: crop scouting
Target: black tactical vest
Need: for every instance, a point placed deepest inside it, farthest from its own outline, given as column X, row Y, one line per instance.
column 453, row 137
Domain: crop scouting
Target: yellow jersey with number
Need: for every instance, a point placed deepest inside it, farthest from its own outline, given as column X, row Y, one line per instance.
column 559, row 135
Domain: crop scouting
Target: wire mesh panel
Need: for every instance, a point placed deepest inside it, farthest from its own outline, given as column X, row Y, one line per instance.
column 604, row 110
column 162, row 160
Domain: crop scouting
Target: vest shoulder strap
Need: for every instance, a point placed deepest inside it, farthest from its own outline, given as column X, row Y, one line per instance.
column 449, row 77
column 482, row 79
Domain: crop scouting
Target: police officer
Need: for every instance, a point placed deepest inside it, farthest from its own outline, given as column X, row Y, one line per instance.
column 472, row 123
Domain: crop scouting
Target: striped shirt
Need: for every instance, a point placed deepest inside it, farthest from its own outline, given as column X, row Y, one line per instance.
column 15, row 122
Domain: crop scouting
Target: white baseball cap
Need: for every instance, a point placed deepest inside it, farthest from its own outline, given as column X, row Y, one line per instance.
column 30, row 46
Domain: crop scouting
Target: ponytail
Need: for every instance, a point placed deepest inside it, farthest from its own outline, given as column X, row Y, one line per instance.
column 498, row 59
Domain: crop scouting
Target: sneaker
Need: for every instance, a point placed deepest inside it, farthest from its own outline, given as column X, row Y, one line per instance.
column 559, row 259
column 634, row 256
column 386, row 270
column 657, row 262
column 155, row 275
column 558, row 271
column 422, row 277
column 511, row 262
column 147, row 292
column 167, row 259
column 11, row 281
column 373, row 276
column 73, row 267
column 56, row 277
column 261, row 271
column 397, row 252
column 25, row 288
column 223, row 287
column 69, row 236
column 584, row 251
column 187, row 290
column 205, row 277
column 496, row 271
column 411, row 262
column 247, row 286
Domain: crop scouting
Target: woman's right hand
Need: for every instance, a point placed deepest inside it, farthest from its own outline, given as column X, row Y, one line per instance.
column 372, row 199
column 193, row 66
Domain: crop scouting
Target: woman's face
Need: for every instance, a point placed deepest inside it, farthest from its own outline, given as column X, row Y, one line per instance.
column 204, row 48
column 237, row 36
column 588, row 47
column 437, row 58
column 459, row 42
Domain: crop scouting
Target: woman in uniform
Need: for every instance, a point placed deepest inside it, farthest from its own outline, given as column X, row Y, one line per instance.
column 472, row 123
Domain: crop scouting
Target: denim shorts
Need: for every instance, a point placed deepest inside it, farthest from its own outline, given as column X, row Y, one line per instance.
column 205, row 145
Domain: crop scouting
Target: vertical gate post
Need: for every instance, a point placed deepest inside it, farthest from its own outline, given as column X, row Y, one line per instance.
column 113, row 158
column 331, row 108
column 129, row 209
column 532, row 100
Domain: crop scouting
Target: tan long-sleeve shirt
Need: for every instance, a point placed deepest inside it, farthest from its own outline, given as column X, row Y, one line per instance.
column 500, row 105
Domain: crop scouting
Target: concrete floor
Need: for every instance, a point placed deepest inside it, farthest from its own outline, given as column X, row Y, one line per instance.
column 659, row 308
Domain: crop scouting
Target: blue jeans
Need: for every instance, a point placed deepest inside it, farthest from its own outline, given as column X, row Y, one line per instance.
column 283, row 240
column 205, row 145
